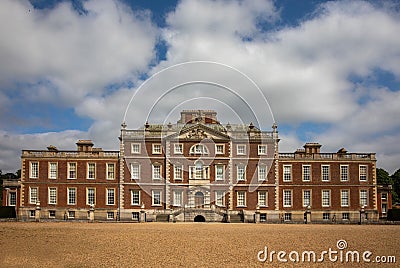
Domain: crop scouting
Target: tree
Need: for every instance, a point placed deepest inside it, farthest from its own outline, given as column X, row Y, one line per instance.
column 383, row 176
column 396, row 186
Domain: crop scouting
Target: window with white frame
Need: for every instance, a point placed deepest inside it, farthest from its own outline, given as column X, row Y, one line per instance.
column 287, row 198
column 90, row 196
column 72, row 170
column 306, row 172
column 326, row 198
column 326, row 216
column 34, row 174
column 71, row 192
column 241, row 172
column 177, row 201
column 199, row 171
column 363, row 197
column 262, row 172
column 52, row 213
column 220, row 198
column 325, row 173
column 287, row 172
column 241, row 149
column 306, row 198
column 345, row 216
column 156, row 148
column 198, row 149
column 110, row 192
column 178, row 172
column 156, row 171
column 71, row 214
column 31, row 213
column 241, row 198
column 219, row 172
column 52, row 195
column 383, row 196
column 344, row 172
column 135, row 197
column 91, row 173
column 156, row 197
column 219, row 149
column 53, row 170
column 12, row 199
column 110, row 171
column 33, row 195
column 363, row 172
column 110, row 215
column 262, row 149
column 135, row 216
column 178, row 148
column 262, row 198
column 344, row 198
column 135, row 171
column 288, row 217
column 135, row 148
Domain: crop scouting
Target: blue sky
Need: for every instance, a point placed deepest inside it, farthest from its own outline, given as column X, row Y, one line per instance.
column 330, row 70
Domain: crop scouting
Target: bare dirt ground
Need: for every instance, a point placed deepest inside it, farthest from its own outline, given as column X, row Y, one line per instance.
column 187, row 244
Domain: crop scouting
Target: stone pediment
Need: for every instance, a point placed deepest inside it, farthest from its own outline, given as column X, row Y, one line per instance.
column 199, row 132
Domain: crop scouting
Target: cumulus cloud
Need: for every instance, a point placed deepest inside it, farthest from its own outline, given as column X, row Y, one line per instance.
column 79, row 54
column 305, row 71
column 12, row 144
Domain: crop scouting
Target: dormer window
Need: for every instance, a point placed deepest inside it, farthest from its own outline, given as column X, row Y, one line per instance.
column 198, row 149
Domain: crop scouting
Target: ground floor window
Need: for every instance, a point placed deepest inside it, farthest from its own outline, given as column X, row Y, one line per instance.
column 12, row 199
column 262, row 198
column 288, row 217
column 110, row 215
column 31, row 213
column 384, row 208
column 241, row 199
column 219, row 198
column 287, row 198
column 52, row 213
column 345, row 216
column 177, row 201
column 156, row 198
column 71, row 214
column 326, row 216
column 135, row 216
column 263, row 217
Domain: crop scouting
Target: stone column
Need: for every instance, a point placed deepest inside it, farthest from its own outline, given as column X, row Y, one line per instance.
column 142, row 217
column 37, row 211
column 257, row 214
column 91, row 213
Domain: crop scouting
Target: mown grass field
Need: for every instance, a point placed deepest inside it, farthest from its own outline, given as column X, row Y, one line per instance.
column 68, row 244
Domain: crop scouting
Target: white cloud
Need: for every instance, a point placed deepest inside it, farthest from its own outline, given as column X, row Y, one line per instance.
column 304, row 70
column 12, row 144
column 79, row 54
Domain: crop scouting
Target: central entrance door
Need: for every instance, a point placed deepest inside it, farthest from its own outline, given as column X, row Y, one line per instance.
column 199, row 200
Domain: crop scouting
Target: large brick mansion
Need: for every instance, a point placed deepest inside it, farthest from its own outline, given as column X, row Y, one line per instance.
column 197, row 170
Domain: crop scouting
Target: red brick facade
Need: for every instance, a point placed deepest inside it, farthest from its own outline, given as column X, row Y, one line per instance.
column 198, row 168
column 66, row 184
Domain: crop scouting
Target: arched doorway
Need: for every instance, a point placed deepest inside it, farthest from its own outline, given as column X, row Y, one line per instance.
column 199, row 218
column 199, row 200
